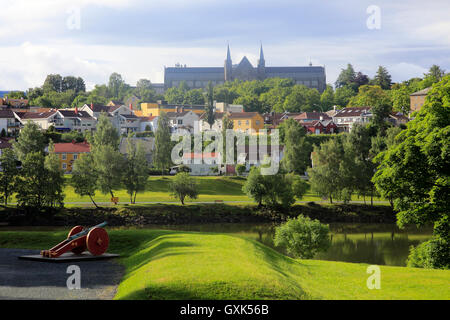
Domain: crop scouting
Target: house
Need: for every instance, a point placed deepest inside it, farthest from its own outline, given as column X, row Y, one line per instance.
column 217, row 126
column 43, row 119
column 122, row 117
column 202, row 164
column 148, row 122
column 114, row 103
column 347, row 117
column 316, row 122
column 398, row 119
column 226, row 107
column 15, row 103
column 148, row 144
column 417, row 99
column 132, row 102
column 246, row 121
column 68, row 153
column 73, row 120
column 187, row 120
column 155, row 109
column 273, row 119
column 8, row 122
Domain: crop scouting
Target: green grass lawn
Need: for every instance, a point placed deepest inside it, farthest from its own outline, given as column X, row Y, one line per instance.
column 190, row 265
column 211, row 188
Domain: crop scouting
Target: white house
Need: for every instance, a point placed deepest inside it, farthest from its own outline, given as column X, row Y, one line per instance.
column 8, row 122
column 151, row 121
column 43, row 119
column 74, row 120
column 347, row 117
column 122, row 117
column 217, row 126
column 187, row 120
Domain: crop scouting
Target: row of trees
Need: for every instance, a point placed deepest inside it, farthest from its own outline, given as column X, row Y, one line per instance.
column 70, row 91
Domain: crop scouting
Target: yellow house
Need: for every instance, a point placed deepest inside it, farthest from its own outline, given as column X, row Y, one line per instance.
column 69, row 152
column 247, row 121
column 155, row 108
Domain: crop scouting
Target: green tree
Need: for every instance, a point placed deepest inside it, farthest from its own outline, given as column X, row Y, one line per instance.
column 369, row 96
column 105, row 133
column 54, row 179
column 162, row 155
column 414, row 172
column 84, row 177
column 400, row 99
column 182, row 186
column 327, row 99
column 136, row 169
column 346, row 77
column 435, row 74
column 30, row 139
column 194, row 96
column 253, row 186
column 240, row 169
column 382, row 78
column 326, row 177
column 343, row 95
column 303, row 237
column 8, row 163
column 109, row 164
column 297, row 149
column 210, row 117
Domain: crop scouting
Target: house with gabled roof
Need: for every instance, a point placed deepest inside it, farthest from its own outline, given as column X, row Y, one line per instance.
column 347, row 117
column 9, row 122
column 68, row 153
column 43, row 119
column 74, row 120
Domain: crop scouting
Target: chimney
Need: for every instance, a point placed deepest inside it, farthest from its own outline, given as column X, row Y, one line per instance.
column 92, row 106
column 76, row 110
column 131, row 106
column 321, row 118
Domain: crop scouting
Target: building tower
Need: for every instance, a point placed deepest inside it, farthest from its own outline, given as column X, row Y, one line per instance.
column 228, row 66
column 261, row 65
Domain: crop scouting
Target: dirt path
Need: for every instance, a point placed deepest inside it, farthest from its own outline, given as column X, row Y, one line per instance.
column 21, row 279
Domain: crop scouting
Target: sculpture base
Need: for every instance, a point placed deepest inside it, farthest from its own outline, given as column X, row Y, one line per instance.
column 70, row 257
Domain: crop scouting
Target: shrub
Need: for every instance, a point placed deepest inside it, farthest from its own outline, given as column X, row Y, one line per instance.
column 240, row 169
column 432, row 254
column 302, row 237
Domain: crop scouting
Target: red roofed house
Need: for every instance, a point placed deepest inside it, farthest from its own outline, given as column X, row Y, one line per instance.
column 316, row 122
column 69, row 152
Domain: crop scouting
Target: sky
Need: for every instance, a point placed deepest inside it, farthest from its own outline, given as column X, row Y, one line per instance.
column 137, row 38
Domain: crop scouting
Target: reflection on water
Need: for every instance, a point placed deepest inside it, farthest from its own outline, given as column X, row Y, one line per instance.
column 382, row 244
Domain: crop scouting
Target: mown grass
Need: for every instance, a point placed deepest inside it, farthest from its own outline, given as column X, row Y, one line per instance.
column 196, row 265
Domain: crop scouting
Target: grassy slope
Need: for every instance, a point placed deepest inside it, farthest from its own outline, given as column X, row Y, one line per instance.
column 186, row 265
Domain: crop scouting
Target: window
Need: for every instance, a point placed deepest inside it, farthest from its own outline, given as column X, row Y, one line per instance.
column 64, row 166
column 257, row 122
column 180, row 121
column 75, row 156
column 64, row 156
column 239, row 122
column 247, row 122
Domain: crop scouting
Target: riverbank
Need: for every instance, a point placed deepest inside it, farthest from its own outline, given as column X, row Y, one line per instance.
column 163, row 214
column 163, row 264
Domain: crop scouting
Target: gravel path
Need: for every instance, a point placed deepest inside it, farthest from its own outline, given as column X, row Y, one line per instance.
column 21, row 279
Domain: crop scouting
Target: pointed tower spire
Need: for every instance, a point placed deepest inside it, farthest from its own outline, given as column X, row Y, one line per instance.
column 261, row 62
column 228, row 65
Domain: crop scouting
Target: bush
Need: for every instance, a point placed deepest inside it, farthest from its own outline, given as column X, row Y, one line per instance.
column 302, row 237
column 240, row 169
column 432, row 254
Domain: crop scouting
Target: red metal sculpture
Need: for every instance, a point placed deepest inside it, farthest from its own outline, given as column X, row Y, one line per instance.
column 94, row 239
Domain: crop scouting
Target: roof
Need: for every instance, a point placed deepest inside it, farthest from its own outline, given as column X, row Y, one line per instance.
column 129, row 116
column 243, row 115
column 217, row 115
column 73, row 114
column 117, row 102
column 194, row 70
column 312, row 116
column 35, row 115
column 176, row 114
column 72, row 147
column 422, row 92
column 352, row 112
column 102, row 108
column 6, row 114
column 150, row 118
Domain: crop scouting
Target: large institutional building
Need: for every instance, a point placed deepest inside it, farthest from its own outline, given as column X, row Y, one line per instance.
column 198, row 77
